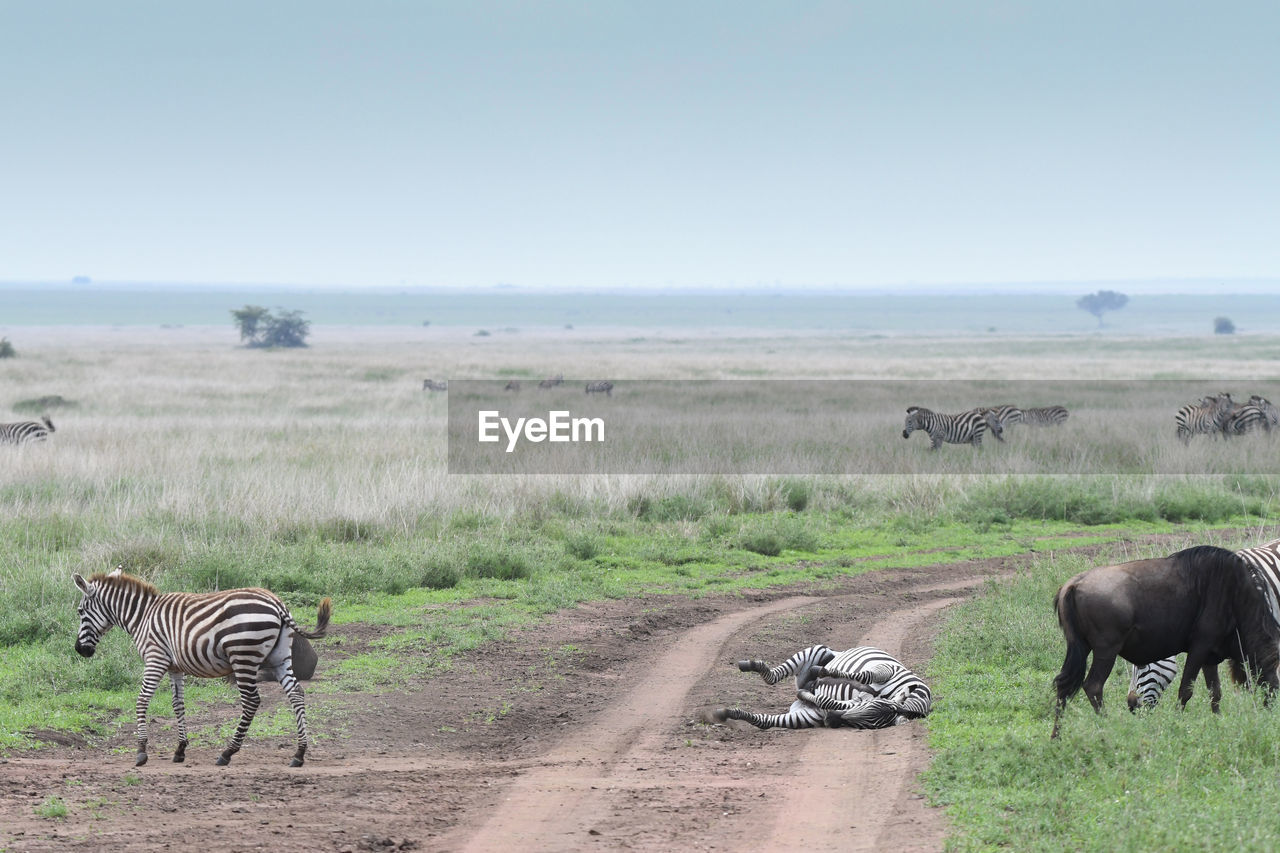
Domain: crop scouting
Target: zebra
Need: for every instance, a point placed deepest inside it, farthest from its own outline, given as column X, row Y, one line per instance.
column 861, row 688
column 552, row 382
column 1004, row 416
column 1203, row 418
column 597, row 387
column 964, row 428
column 24, row 431
column 512, row 385
column 431, row 385
column 1273, row 416
column 238, row 632
column 1045, row 416
column 1147, row 682
column 1246, row 418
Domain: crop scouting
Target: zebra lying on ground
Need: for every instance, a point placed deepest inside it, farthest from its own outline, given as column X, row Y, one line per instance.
column 239, row 632
column 431, row 385
column 861, row 688
column 1146, row 683
column 24, row 431
column 598, row 387
column 964, row 428
column 1045, row 416
column 1203, row 418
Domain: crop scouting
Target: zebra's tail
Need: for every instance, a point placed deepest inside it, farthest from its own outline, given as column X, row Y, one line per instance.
column 48, row 423
column 322, row 621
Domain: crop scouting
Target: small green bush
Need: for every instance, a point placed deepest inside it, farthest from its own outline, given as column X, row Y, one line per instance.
column 6, row 349
column 584, row 546
column 765, row 542
column 501, row 563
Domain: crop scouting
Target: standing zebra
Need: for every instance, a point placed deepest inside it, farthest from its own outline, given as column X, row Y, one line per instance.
column 1004, row 416
column 24, row 431
column 1273, row 416
column 598, row 387
column 239, row 632
column 1148, row 682
column 1203, row 418
column 552, row 382
column 964, row 428
column 1045, row 416
column 1246, row 418
column 861, row 688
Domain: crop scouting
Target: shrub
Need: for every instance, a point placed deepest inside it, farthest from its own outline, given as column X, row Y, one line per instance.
column 500, row 563
column 584, row 546
column 796, row 493
column 764, row 542
column 6, row 349
column 1223, row 326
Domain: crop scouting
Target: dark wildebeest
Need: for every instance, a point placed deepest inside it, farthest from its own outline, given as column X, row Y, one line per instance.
column 1204, row 601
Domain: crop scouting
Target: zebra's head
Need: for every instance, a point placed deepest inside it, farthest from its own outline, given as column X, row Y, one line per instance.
column 96, row 617
column 915, row 416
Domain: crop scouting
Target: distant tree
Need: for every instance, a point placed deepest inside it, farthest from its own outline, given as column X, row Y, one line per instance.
column 250, row 320
column 1223, row 326
column 260, row 328
column 1099, row 303
column 6, row 349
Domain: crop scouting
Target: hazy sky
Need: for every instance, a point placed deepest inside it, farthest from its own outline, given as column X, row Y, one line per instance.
column 642, row 143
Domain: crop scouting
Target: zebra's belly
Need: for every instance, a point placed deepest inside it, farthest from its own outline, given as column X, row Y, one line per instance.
column 208, row 661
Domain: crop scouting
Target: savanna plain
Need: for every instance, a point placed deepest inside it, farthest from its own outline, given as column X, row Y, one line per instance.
column 525, row 658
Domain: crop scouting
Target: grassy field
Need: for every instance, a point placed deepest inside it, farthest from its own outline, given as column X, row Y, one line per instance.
column 200, row 465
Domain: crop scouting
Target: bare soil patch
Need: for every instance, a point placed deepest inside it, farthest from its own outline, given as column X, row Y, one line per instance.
column 580, row 733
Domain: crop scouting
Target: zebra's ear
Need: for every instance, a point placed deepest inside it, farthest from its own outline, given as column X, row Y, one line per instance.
column 81, row 583
column 116, row 572
column 911, row 409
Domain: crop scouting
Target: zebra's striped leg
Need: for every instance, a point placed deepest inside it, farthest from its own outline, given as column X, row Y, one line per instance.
column 179, row 713
column 151, row 676
column 247, row 682
column 297, row 701
column 801, row 715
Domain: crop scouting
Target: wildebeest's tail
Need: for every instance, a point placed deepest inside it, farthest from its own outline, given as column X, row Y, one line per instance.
column 1070, row 679
column 322, row 621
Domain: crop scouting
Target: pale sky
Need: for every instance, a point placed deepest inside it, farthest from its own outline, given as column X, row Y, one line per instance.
column 645, row 143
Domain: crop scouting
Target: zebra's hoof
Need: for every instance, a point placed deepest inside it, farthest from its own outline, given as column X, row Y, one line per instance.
column 222, row 761
column 142, row 759
column 179, row 757
column 747, row 665
column 297, row 762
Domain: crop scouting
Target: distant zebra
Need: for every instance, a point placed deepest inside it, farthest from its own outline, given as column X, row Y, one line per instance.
column 964, row 428
column 1148, row 682
column 1045, row 416
column 1005, row 416
column 862, row 688
column 1203, row 418
column 1245, row 419
column 512, row 385
column 558, row 379
column 1273, row 416
column 431, row 385
column 24, row 431
column 598, row 387
column 239, row 632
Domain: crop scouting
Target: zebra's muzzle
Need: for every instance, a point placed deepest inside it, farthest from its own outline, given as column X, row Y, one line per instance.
column 906, row 434
column 85, row 651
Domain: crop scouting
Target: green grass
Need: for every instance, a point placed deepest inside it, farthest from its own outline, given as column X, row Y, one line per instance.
column 53, row 808
column 1162, row 779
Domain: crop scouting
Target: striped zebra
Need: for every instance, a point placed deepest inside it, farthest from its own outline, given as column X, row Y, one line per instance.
column 432, row 385
column 1045, row 416
column 552, row 382
column 1273, row 416
column 239, row 632
column 600, row 387
column 1147, row 682
column 1246, row 419
column 861, row 688
column 1005, row 416
column 1203, row 418
column 964, row 428
column 24, row 431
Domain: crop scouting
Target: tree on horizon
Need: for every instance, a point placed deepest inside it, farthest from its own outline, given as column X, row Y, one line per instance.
column 1101, row 302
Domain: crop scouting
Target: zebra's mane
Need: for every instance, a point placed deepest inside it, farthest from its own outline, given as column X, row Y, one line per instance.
column 137, row 584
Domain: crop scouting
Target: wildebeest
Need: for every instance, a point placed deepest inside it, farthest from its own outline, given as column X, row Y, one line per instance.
column 1204, row 601
column 432, row 385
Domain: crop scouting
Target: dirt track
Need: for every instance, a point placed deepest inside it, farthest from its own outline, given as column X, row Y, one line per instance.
column 581, row 735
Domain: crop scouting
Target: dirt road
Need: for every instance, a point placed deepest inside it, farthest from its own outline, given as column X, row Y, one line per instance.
column 583, row 734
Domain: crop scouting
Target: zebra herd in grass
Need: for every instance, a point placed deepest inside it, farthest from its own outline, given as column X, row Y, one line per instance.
column 969, row 427
column 1218, row 414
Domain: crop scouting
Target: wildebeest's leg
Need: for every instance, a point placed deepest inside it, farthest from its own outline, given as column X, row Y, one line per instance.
column 180, row 714
column 1097, row 677
column 1214, row 686
column 246, row 673
column 1195, row 662
column 152, row 673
